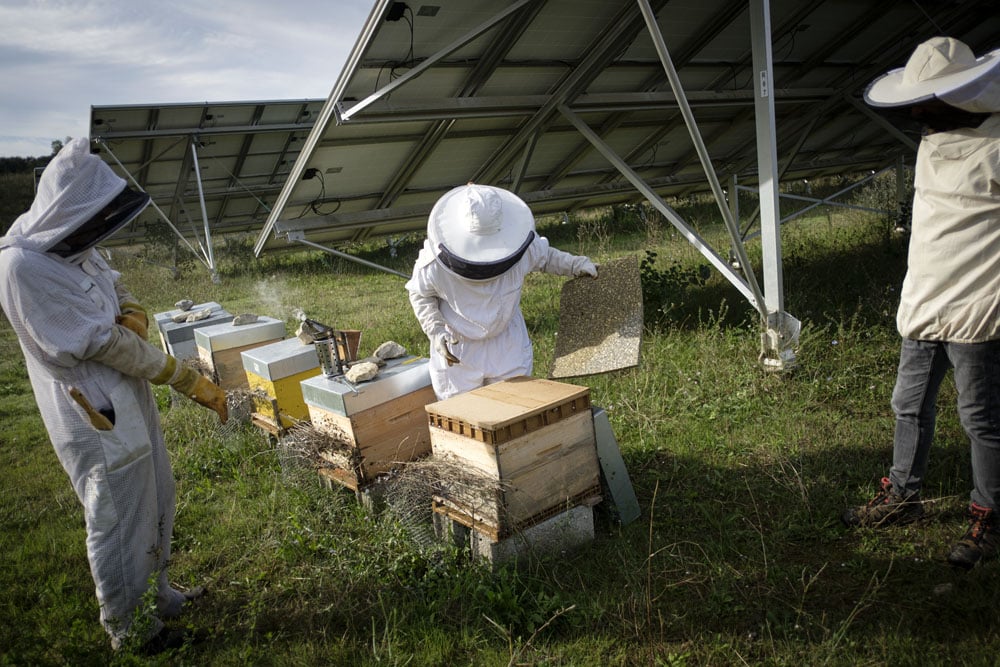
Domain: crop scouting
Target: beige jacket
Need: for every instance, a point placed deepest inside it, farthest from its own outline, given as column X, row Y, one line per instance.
column 952, row 287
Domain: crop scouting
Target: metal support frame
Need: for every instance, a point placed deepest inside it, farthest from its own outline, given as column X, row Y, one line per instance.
column 670, row 214
column 826, row 201
column 345, row 114
column 152, row 203
column 299, row 237
column 781, row 334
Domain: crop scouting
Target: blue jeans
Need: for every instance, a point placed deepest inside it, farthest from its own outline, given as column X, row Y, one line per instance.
column 922, row 367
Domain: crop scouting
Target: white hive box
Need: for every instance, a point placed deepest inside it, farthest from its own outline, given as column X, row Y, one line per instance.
column 382, row 421
column 220, row 346
column 277, row 370
column 177, row 338
column 531, row 440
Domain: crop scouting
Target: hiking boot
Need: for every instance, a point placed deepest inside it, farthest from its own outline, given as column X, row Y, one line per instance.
column 886, row 508
column 980, row 542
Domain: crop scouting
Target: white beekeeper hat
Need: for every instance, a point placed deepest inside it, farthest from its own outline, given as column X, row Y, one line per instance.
column 75, row 187
column 942, row 68
column 479, row 231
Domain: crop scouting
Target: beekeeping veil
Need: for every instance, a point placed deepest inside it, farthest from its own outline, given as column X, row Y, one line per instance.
column 79, row 203
column 941, row 68
column 479, row 232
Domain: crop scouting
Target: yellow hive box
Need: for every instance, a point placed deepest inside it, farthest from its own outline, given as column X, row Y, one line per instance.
column 277, row 371
column 532, row 438
column 220, row 346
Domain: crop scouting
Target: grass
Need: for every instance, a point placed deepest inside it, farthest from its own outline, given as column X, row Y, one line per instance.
column 738, row 557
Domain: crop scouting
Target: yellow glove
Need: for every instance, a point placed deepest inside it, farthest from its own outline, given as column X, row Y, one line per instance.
column 200, row 389
column 134, row 319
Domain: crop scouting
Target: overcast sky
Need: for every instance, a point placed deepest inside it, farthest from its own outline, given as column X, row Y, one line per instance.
column 60, row 57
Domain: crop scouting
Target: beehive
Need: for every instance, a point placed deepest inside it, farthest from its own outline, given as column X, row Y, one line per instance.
column 177, row 338
column 380, row 422
column 533, row 438
column 220, row 346
column 276, row 370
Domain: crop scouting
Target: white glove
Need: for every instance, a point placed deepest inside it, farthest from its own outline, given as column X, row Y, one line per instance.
column 440, row 341
column 582, row 266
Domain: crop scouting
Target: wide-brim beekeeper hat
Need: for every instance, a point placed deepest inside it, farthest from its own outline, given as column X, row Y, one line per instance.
column 80, row 202
column 941, row 68
column 480, row 231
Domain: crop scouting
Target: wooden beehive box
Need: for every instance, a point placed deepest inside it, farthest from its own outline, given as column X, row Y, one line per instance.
column 381, row 422
column 177, row 338
column 220, row 346
column 533, row 438
column 276, row 370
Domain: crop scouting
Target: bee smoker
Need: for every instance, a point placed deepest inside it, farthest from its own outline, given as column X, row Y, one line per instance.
column 329, row 343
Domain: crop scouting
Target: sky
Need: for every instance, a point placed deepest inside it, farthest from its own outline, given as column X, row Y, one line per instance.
column 60, row 57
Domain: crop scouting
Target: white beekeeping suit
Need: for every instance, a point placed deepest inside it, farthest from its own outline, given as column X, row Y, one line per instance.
column 466, row 286
column 64, row 303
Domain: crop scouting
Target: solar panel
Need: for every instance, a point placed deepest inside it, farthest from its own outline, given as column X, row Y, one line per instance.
column 214, row 165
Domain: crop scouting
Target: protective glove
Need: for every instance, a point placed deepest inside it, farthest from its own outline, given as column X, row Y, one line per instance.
column 200, row 389
column 439, row 341
column 582, row 266
column 134, row 319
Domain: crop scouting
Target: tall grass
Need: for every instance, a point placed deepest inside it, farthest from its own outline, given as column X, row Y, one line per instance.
column 738, row 557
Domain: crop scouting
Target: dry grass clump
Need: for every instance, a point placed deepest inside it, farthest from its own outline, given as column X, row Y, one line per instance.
column 306, row 445
column 410, row 491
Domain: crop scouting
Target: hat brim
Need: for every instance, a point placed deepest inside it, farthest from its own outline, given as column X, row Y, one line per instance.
column 444, row 228
column 889, row 90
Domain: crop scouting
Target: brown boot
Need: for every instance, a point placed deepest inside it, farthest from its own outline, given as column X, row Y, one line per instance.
column 886, row 508
column 980, row 542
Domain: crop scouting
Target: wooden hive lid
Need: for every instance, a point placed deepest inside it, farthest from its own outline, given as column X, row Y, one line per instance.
column 505, row 410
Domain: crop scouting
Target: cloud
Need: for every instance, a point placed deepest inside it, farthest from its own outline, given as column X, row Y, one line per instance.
column 60, row 57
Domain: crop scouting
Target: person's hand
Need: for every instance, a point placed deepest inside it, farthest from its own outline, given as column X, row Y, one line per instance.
column 582, row 266
column 440, row 341
column 134, row 319
column 203, row 391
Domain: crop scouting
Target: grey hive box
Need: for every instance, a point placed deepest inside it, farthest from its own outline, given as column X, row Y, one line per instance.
column 177, row 338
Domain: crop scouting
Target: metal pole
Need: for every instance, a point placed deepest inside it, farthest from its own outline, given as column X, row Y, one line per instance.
column 767, row 158
column 699, row 144
column 298, row 237
column 669, row 213
column 204, row 211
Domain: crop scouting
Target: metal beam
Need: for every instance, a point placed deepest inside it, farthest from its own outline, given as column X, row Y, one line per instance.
column 767, row 156
column 204, row 212
column 427, row 63
column 669, row 213
column 675, row 85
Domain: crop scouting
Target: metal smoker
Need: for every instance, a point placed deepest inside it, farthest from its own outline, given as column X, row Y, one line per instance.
column 329, row 343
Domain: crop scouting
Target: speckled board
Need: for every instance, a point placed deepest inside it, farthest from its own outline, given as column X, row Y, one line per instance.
column 600, row 321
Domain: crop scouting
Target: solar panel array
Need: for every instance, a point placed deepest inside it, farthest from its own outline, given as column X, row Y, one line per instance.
column 479, row 90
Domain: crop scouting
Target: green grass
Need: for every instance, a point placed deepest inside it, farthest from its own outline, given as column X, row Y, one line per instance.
column 738, row 557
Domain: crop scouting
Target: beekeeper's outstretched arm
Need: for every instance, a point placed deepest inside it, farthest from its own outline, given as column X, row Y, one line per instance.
column 565, row 264
column 128, row 354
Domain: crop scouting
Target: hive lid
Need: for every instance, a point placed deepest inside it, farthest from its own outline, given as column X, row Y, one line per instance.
column 176, row 332
column 224, row 336
column 497, row 406
column 399, row 377
column 275, row 361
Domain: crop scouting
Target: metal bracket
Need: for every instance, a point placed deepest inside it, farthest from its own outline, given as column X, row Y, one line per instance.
column 778, row 342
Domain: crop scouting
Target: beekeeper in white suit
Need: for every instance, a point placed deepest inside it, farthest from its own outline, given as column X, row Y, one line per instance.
column 83, row 338
column 466, row 286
